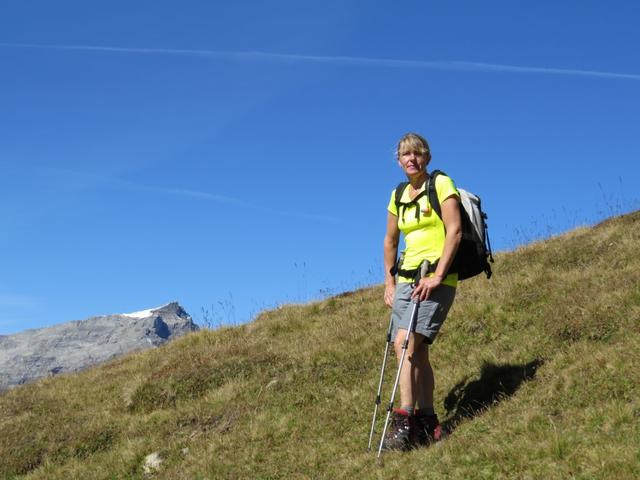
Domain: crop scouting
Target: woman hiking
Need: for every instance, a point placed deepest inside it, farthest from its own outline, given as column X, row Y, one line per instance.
column 434, row 239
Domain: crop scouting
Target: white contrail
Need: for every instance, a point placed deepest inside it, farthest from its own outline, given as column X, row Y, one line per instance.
column 548, row 70
column 344, row 60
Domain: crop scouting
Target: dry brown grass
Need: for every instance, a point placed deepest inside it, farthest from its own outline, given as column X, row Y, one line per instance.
column 537, row 377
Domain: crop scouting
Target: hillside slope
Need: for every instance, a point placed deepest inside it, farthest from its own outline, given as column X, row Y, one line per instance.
column 537, row 376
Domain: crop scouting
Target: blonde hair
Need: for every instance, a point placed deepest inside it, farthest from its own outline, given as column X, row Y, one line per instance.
column 413, row 142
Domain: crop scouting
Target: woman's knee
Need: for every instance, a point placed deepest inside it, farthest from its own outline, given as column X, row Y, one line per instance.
column 398, row 342
column 421, row 349
column 416, row 344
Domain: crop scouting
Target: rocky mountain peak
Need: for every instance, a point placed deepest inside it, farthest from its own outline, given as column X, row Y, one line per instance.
column 75, row 345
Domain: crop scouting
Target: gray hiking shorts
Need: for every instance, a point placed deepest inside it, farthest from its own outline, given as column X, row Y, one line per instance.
column 431, row 312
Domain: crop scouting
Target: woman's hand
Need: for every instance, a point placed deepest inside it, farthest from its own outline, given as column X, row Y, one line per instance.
column 426, row 286
column 389, row 291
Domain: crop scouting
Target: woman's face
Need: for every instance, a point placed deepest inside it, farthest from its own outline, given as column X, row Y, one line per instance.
column 413, row 161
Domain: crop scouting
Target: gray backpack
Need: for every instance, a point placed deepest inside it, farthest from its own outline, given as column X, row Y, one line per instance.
column 474, row 252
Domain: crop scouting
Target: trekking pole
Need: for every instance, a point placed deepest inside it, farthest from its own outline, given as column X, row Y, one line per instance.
column 384, row 363
column 414, row 312
column 424, row 268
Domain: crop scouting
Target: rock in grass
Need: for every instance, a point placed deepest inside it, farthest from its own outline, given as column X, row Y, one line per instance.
column 152, row 463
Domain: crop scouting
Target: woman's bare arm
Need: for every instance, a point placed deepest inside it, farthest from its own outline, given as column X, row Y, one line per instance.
column 391, row 240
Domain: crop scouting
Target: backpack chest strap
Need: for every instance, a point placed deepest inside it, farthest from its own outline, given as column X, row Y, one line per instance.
column 401, row 206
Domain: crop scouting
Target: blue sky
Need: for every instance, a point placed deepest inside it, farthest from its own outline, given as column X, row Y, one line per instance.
column 235, row 156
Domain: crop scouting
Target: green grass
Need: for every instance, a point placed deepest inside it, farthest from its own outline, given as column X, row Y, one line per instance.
column 537, row 375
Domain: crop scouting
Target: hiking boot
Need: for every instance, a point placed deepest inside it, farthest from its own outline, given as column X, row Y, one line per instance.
column 398, row 437
column 427, row 429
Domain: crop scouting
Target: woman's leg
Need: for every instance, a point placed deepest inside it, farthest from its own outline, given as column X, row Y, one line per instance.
column 423, row 377
column 427, row 426
column 416, row 378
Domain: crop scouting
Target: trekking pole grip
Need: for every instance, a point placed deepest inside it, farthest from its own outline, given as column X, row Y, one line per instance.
column 422, row 272
column 424, row 268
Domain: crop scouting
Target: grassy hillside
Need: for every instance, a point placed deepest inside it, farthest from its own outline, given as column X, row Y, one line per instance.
column 537, row 371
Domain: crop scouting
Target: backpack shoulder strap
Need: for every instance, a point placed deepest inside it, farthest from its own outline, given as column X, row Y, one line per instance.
column 398, row 196
column 434, row 201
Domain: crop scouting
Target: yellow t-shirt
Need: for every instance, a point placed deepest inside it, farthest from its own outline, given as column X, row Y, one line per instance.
column 424, row 238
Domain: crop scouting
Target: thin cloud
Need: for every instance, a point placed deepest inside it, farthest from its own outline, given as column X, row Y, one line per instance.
column 81, row 178
column 337, row 60
column 13, row 300
column 234, row 201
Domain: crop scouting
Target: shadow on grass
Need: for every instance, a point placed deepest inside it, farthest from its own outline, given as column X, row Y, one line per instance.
column 469, row 399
